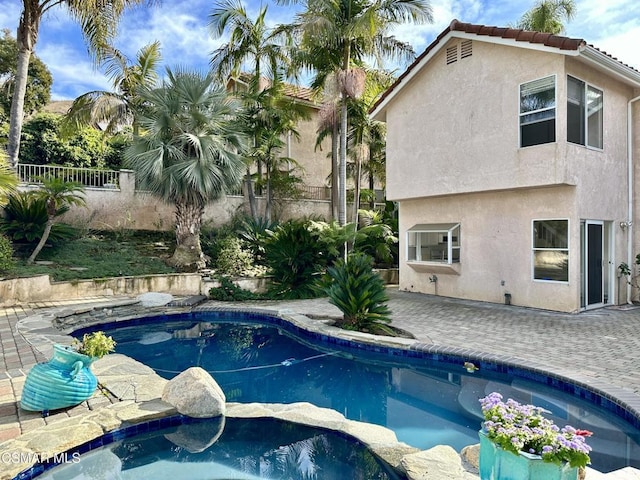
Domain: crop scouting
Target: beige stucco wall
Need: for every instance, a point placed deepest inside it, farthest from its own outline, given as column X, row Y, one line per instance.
column 126, row 208
column 453, row 132
column 315, row 166
column 495, row 236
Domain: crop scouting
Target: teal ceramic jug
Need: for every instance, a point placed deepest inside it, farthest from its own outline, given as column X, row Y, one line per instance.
column 66, row 380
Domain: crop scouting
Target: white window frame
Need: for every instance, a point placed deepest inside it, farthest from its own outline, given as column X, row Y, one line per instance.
column 532, row 112
column 585, row 126
column 560, row 249
column 447, row 229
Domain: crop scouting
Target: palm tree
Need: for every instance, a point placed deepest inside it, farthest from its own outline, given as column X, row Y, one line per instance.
column 344, row 33
column 250, row 41
column 367, row 137
column 547, row 15
column 188, row 153
column 253, row 42
column 98, row 21
column 56, row 194
column 120, row 107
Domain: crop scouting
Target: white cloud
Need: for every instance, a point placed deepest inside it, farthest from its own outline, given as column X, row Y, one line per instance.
column 73, row 72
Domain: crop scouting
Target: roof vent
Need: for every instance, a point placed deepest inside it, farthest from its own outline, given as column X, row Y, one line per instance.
column 452, row 54
column 466, row 49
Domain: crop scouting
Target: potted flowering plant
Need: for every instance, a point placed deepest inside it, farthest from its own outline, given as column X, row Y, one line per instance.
column 95, row 345
column 66, row 379
column 517, row 437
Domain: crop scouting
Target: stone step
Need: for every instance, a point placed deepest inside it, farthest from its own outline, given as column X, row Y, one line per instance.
column 188, row 302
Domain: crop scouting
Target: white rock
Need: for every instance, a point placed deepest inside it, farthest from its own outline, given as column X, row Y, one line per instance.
column 154, row 299
column 196, row 394
column 438, row 463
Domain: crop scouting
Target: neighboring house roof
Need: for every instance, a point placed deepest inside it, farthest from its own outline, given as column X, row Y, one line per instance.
column 514, row 37
column 58, row 106
column 294, row 91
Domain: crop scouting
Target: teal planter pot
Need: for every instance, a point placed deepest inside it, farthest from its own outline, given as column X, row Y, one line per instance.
column 66, row 380
column 499, row 464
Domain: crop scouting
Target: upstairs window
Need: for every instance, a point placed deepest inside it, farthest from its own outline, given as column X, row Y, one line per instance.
column 584, row 113
column 538, row 112
column 436, row 242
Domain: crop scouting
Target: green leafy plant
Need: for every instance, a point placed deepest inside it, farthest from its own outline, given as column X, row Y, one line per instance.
column 522, row 428
column 232, row 258
column 230, row 292
column 376, row 238
column 95, row 344
column 298, row 253
column 26, row 218
column 360, row 295
column 7, row 261
column 254, row 232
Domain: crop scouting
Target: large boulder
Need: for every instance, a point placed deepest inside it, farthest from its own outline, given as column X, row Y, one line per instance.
column 195, row 393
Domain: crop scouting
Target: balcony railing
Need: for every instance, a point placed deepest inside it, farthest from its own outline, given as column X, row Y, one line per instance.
column 87, row 177
column 306, row 192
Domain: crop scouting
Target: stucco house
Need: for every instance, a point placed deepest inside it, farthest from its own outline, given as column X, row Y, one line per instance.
column 514, row 157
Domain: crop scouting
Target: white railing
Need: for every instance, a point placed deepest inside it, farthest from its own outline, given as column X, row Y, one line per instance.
column 88, row 177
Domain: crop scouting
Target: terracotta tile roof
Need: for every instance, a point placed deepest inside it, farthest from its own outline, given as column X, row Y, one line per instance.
column 293, row 91
column 519, row 35
column 547, row 39
column 302, row 93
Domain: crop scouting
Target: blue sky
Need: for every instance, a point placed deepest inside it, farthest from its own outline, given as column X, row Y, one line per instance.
column 181, row 27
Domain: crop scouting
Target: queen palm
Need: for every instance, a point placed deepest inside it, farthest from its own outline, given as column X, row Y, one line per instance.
column 98, row 21
column 188, row 152
column 268, row 116
column 252, row 43
column 547, row 15
column 352, row 31
column 112, row 110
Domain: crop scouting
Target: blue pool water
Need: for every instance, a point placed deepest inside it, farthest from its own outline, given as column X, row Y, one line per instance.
column 426, row 403
column 224, row 449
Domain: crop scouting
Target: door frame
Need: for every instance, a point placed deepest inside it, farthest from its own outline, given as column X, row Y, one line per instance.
column 607, row 262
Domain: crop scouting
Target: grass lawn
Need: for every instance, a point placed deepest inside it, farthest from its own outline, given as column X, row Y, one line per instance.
column 100, row 255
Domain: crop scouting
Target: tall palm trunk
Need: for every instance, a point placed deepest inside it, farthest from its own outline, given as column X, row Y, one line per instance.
column 342, row 211
column 268, row 193
column 342, row 171
column 356, row 190
column 372, row 202
column 335, row 182
column 188, row 253
column 251, row 196
column 26, row 39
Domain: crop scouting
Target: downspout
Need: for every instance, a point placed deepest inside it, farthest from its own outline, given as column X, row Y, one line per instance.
column 630, row 192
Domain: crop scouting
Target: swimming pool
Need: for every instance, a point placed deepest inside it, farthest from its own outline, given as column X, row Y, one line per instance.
column 426, row 399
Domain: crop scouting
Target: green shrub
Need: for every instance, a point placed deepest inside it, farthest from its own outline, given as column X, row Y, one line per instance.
column 232, row 258
column 360, row 295
column 26, row 217
column 230, row 292
column 254, row 232
column 7, row 261
column 295, row 258
column 376, row 238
